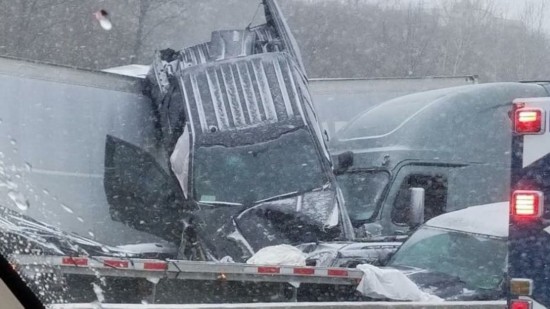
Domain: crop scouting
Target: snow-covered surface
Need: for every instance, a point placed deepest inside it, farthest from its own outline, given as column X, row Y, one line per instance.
column 98, row 292
column 489, row 219
column 536, row 304
column 56, row 241
column 278, row 255
column 321, row 206
column 134, row 70
column 381, row 283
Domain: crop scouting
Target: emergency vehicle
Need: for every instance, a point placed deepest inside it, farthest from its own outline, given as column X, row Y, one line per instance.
column 529, row 234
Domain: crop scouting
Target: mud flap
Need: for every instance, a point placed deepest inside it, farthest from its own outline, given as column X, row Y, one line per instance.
column 140, row 193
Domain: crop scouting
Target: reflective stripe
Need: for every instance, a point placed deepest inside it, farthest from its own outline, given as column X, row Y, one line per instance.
column 115, row 263
column 268, row 270
column 74, row 261
column 337, row 273
column 304, row 271
column 154, row 266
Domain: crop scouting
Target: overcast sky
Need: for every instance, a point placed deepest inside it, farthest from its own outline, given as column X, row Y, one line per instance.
column 511, row 9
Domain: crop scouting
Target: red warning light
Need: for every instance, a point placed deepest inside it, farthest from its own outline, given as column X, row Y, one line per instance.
column 529, row 121
column 520, row 304
column 527, row 203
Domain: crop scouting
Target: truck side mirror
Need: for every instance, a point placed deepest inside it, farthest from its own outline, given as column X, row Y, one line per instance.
column 416, row 204
column 345, row 160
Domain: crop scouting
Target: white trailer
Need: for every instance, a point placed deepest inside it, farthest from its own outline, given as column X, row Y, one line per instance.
column 339, row 100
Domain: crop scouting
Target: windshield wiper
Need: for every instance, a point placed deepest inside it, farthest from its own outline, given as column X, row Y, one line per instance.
column 219, row 203
column 291, row 194
column 279, row 197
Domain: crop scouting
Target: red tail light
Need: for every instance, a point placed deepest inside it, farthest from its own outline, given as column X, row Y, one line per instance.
column 529, row 121
column 520, row 304
column 527, row 203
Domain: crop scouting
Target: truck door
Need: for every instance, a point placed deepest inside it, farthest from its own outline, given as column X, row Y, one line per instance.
column 395, row 212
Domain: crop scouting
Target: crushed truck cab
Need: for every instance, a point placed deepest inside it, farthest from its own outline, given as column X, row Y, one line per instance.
column 245, row 165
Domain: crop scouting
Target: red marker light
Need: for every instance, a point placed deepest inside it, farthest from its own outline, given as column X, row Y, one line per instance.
column 529, row 121
column 520, row 304
column 527, row 203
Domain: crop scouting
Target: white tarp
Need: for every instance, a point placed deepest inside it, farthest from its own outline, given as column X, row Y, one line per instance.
column 392, row 284
column 278, row 255
column 179, row 160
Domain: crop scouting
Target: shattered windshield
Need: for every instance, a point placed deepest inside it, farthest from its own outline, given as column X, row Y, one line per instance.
column 477, row 260
column 247, row 174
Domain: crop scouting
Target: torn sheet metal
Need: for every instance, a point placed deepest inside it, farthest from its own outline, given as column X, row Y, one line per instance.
column 239, row 232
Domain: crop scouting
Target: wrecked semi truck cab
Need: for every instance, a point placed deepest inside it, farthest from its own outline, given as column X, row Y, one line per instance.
column 247, row 124
column 245, row 161
column 415, row 157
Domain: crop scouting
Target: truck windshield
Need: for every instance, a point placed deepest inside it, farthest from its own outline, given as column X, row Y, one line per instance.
column 362, row 191
column 250, row 173
column 479, row 261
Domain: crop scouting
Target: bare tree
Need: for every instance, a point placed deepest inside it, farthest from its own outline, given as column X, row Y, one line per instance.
column 148, row 19
column 338, row 38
